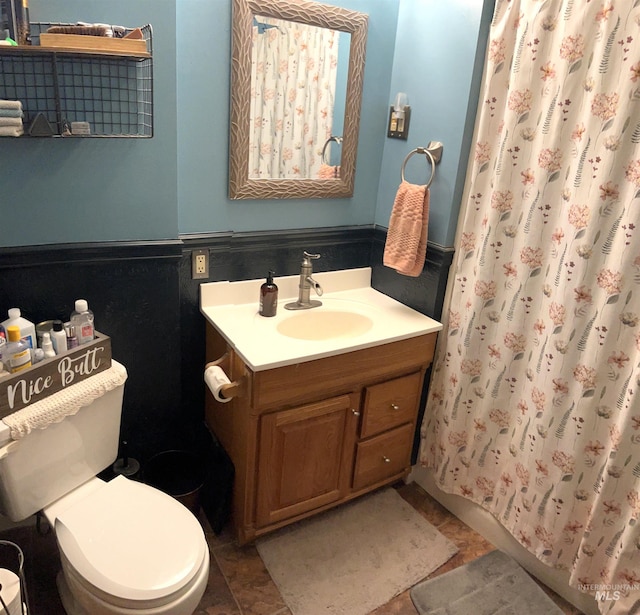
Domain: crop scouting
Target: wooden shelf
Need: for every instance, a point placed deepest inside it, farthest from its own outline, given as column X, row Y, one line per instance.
column 39, row 49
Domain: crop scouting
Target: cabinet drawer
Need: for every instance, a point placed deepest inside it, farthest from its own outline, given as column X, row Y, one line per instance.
column 291, row 384
column 390, row 404
column 383, row 456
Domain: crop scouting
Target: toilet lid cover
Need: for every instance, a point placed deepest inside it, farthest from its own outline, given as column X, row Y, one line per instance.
column 132, row 541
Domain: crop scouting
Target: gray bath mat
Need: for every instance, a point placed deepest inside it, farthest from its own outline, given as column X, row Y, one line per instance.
column 354, row 558
column 493, row 584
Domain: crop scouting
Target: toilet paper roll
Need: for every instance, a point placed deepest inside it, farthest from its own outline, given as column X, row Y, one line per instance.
column 10, row 583
column 215, row 377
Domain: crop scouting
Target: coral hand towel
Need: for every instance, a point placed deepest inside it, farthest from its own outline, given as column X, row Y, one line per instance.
column 406, row 246
column 328, row 172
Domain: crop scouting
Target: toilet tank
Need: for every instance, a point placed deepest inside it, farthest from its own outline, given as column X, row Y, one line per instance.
column 48, row 463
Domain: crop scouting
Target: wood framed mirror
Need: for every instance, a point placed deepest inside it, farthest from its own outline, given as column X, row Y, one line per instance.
column 252, row 18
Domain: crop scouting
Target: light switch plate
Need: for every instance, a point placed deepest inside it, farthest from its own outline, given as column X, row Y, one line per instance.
column 399, row 130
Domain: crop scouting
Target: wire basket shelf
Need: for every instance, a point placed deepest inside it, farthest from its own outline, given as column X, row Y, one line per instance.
column 113, row 94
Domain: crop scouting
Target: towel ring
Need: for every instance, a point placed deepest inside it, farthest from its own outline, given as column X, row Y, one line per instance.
column 338, row 140
column 428, row 154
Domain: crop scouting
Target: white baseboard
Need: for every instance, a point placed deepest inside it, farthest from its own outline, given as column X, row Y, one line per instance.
column 487, row 526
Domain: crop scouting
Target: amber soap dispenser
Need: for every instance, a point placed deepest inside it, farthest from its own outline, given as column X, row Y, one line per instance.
column 269, row 297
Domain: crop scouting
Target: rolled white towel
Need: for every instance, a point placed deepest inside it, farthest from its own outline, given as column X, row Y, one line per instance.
column 10, row 104
column 56, row 407
column 10, row 121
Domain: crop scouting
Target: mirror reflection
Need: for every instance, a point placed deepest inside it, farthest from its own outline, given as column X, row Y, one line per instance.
column 296, row 91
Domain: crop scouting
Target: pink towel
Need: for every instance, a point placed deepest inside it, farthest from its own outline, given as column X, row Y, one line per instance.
column 406, row 246
column 328, row 172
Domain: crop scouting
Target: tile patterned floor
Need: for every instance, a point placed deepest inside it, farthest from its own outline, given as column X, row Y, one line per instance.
column 239, row 584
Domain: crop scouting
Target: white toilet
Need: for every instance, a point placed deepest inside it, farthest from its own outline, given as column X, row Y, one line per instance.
column 126, row 548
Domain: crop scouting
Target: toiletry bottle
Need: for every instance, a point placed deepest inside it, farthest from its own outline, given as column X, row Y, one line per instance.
column 17, row 353
column 268, row 297
column 26, row 327
column 72, row 338
column 47, row 346
column 82, row 320
column 3, row 341
column 58, row 337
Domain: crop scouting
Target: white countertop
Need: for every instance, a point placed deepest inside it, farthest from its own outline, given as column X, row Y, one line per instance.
column 232, row 308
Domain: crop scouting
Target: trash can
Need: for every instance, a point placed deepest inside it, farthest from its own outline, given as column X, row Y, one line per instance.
column 180, row 474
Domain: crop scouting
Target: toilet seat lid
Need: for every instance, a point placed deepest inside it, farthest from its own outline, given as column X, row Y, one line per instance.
column 132, row 541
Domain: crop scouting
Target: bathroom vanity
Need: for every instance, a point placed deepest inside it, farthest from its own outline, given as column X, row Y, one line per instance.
column 324, row 401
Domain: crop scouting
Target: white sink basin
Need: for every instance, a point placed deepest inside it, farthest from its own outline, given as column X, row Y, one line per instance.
column 352, row 316
column 319, row 324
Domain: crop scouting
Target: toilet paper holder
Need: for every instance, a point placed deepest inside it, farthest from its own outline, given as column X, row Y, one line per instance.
column 236, row 388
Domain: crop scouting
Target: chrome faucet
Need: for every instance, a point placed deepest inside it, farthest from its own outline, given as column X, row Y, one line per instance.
column 306, row 284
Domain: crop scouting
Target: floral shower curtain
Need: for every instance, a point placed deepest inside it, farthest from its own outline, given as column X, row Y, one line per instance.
column 533, row 410
column 292, row 98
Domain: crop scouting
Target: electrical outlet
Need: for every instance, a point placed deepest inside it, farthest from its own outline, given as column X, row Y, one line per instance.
column 199, row 264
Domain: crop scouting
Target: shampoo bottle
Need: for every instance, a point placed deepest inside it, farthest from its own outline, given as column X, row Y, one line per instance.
column 269, row 297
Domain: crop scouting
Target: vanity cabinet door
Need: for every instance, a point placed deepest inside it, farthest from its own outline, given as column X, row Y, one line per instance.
column 304, row 458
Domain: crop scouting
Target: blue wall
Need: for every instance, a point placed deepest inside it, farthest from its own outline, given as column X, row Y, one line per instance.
column 77, row 190
column 434, row 65
column 86, row 190
column 203, row 103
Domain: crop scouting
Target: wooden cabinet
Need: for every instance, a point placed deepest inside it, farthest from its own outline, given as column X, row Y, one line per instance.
column 306, row 437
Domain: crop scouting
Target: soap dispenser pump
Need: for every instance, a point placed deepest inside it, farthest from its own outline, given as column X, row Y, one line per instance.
column 269, row 297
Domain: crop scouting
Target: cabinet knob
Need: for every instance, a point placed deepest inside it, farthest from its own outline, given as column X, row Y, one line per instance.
column 395, row 407
column 386, row 459
column 355, row 412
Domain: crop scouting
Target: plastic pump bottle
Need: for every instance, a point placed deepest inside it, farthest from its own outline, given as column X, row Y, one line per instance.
column 82, row 322
column 269, row 297
column 16, row 353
